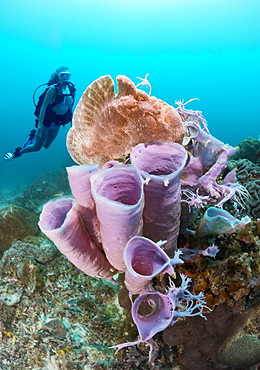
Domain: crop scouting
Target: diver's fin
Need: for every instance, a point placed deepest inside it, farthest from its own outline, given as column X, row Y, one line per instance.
column 15, row 154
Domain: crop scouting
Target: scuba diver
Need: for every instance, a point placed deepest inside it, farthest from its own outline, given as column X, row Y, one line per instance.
column 54, row 109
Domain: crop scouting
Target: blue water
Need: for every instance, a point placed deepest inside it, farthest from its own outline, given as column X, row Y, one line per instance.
column 204, row 49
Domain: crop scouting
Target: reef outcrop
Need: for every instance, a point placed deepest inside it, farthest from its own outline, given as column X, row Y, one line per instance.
column 249, row 148
column 122, row 209
column 15, row 223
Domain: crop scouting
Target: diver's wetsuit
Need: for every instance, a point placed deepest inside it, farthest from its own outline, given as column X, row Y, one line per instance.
column 58, row 120
column 51, row 119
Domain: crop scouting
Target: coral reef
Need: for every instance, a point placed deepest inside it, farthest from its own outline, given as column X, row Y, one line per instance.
column 231, row 286
column 107, row 126
column 42, row 189
column 249, row 148
column 70, row 320
column 114, row 197
column 248, row 175
column 15, row 223
column 233, row 274
column 176, row 278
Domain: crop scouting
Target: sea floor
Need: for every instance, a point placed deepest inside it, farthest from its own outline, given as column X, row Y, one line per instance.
column 57, row 317
column 7, row 196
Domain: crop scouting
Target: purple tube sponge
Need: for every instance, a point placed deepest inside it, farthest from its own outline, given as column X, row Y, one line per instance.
column 161, row 165
column 153, row 312
column 219, row 221
column 78, row 177
column 207, row 146
column 61, row 222
column 144, row 259
column 118, row 195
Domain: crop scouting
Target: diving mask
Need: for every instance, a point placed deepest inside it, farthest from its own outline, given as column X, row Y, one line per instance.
column 64, row 76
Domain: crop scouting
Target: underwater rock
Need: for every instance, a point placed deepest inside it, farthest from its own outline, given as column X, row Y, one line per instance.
column 106, row 126
column 38, row 249
column 199, row 340
column 23, row 261
column 12, row 296
column 242, row 352
column 246, row 235
column 30, row 275
column 15, row 223
column 56, row 327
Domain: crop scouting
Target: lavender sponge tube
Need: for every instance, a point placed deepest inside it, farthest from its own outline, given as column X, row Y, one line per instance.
column 161, row 165
column 61, row 222
column 118, row 195
column 157, row 313
column 144, row 259
column 78, row 177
